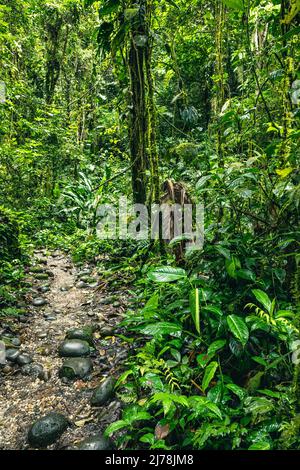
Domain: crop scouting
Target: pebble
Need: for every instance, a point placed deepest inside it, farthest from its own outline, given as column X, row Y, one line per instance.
column 24, row 359
column 107, row 330
column 34, row 370
column 95, row 443
column 45, row 431
column 44, row 289
column 85, row 333
column 82, row 285
column 104, row 392
column 74, row 348
column 15, row 341
column 12, row 354
column 39, row 302
column 76, row 368
column 22, row 319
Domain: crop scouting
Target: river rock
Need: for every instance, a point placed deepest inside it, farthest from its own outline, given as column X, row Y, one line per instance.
column 95, row 443
column 12, row 354
column 34, row 370
column 44, row 289
column 107, row 330
column 74, row 348
column 39, row 302
column 84, row 273
column 76, row 368
column 24, row 359
column 85, row 333
column 82, row 285
column 45, row 431
column 104, row 392
column 16, row 342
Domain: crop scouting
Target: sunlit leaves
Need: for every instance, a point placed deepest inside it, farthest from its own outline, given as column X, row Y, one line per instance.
column 235, row 4
column 167, row 274
column 238, row 328
column 209, row 374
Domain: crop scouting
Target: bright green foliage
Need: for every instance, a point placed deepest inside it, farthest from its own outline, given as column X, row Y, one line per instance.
column 216, row 108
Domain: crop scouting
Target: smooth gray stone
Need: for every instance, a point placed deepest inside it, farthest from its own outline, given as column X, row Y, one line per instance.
column 104, row 392
column 24, row 359
column 39, row 302
column 107, row 330
column 44, row 289
column 47, row 430
column 95, row 443
column 12, row 354
column 76, row 368
column 82, row 285
column 85, row 333
column 16, row 342
column 74, row 348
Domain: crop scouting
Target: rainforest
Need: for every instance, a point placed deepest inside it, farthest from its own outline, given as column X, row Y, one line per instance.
column 149, row 225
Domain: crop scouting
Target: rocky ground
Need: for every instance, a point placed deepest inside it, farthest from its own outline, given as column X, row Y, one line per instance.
column 57, row 354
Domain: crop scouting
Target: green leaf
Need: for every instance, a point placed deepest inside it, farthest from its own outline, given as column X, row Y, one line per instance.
column 168, row 399
column 258, row 405
column 148, row 438
column 174, row 4
column 263, row 298
column 113, row 427
column 223, row 251
column 209, row 374
column 203, row 359
column 259, row 360
column 216, row 393
column 110, row 6
column 166, row 274
column 240, row 392
column 238, row 328
column 212, row 309
column 216, row 345
column 254, row 382
column 161, row 328
column 235, row 4
column 232, row 265
column 246, row 274
column 195, row 308
column 270, row 393
column 260, row 445
column 88, row 3
column 201, row 182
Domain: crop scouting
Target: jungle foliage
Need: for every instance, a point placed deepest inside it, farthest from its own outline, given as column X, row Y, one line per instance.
column 114, row 97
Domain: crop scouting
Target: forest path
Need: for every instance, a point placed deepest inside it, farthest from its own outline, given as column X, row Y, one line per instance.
column 73, row 299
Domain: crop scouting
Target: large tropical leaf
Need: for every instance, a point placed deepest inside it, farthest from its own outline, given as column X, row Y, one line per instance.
column 166, row 274
column 195, row 308
column 161, row 328
column 216, row 345
column 238, row 328
column 209, row 374
column 263, row 298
